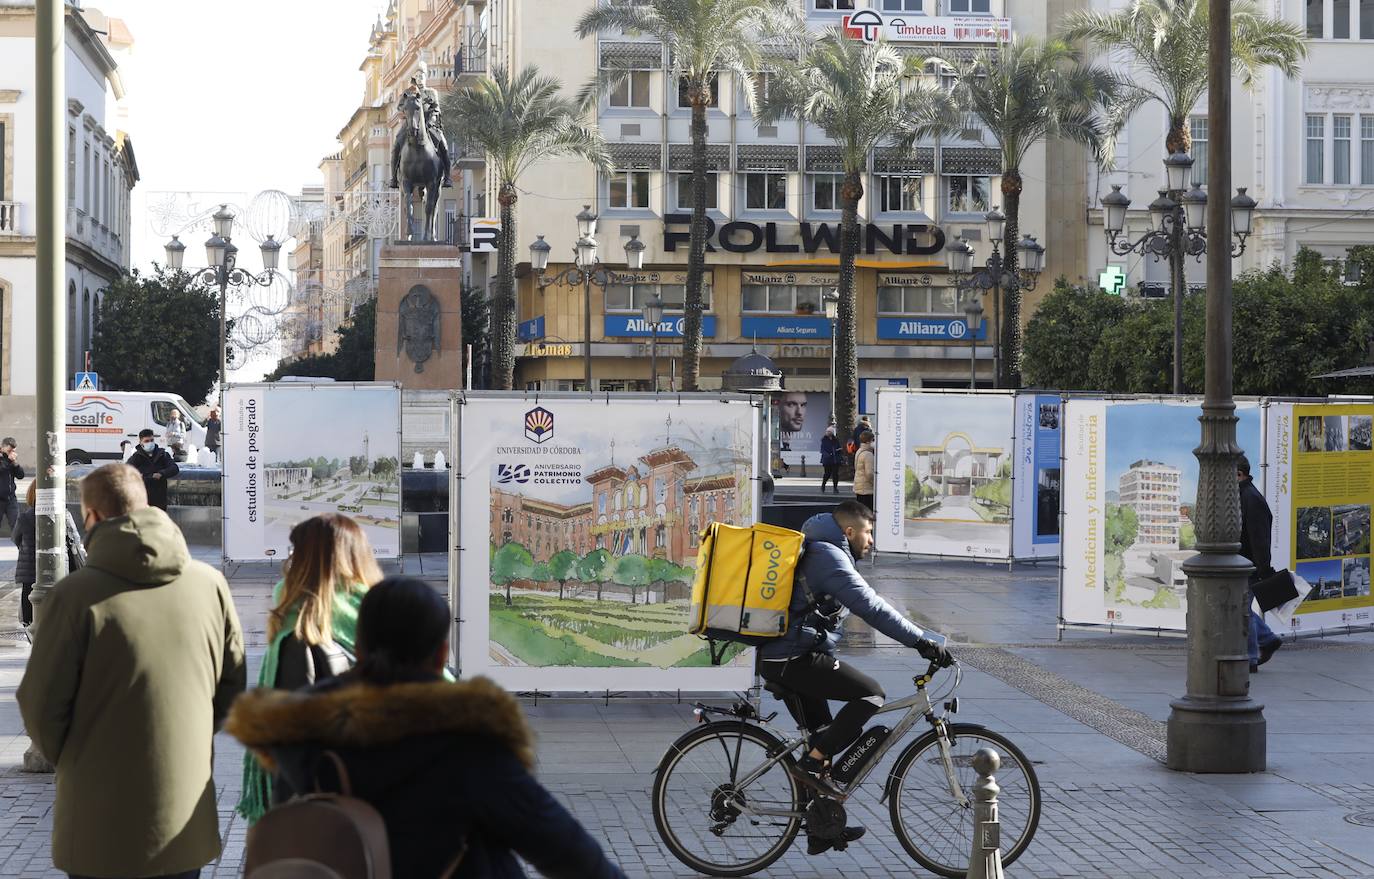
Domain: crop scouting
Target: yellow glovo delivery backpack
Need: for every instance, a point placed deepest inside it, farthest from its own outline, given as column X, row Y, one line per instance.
column 744, row 584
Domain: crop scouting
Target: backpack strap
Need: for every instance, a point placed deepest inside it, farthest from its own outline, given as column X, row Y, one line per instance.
column 457, row 860
column 345, row 786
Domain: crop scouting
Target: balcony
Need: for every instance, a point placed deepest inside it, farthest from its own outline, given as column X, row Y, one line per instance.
column 470, row 59
column 466, row 157
column 9, row 218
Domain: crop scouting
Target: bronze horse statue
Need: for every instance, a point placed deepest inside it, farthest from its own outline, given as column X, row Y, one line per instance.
column 421, row 167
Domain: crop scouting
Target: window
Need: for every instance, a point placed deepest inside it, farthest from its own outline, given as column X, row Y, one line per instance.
column 712, row 86
column 85, row 324
column 1367, row 150
column 919, row 300
column 967, row 193
column 632, row 91
column 1340, row 19
column 1340, row 149
column 1197, row 127
column 631, row 297
column 782, row 298
column 901, row 5
column 831, row 5
column 684, row 190
column 3, row 158
column 71, row 166
column 1316, row 148
column 86, row 179
column 629, row 189
column 970, row 6
column 765, row 191
column 71, row 322
column 825, row 191
column 899, row 193
column 1367, row 19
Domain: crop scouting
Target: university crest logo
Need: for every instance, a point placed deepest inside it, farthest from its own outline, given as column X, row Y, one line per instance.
column 539, row 424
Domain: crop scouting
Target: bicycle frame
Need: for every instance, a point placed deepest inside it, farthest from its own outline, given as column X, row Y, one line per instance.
column 917, row 706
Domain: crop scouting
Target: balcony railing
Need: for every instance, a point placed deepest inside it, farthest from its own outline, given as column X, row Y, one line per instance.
column 9, row 218
column 471, row 57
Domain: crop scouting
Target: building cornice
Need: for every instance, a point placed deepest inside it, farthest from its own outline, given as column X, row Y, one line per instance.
column 18, row 246
column 9, row 96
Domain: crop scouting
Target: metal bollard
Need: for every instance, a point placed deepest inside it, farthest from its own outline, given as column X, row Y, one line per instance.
column 986, row 860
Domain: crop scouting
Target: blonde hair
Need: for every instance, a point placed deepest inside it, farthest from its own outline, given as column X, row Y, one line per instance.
column 328, row 552
column 113, row 490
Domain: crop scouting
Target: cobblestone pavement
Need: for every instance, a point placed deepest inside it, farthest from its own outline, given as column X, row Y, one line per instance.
column 1087, row 712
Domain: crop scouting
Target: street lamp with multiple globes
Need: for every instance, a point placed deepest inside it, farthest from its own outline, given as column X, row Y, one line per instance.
column 1178, row 228
column 993, row 275
column 221, row 256
column 653, row 315
column 830, row 302
column 585, row 270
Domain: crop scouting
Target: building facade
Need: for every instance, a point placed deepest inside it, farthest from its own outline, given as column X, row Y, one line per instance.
column 1302, row 147
column 100, row 173
column 1151, row 489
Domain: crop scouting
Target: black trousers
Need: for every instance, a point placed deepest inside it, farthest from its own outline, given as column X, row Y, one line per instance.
column 25, row 605
column 831, row 474
column 865, row 499
column 818, row 678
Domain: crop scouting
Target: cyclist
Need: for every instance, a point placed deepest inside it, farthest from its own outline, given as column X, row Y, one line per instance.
column 803, row 659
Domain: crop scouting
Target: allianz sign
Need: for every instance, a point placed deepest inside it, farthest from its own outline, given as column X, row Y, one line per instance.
column 631, row 325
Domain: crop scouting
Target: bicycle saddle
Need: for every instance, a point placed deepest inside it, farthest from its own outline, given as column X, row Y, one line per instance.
column 779, row 691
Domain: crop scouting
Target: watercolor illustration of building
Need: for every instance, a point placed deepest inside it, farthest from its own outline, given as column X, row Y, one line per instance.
column 1152, row 490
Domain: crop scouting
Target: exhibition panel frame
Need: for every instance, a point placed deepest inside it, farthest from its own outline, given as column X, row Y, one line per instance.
column 574, row 524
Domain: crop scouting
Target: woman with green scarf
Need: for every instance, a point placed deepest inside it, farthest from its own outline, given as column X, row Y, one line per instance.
column 312, row 623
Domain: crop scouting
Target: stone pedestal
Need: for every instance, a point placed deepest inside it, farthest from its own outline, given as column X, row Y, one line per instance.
column 419, row 315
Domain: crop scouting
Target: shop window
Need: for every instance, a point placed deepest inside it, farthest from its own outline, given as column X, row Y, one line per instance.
column 682, row 185
column 765, row 191
column 938, row 301
column 628, row 189
column 632, row 297
column 899, row 193
column 970, row 7
column 782, row 298
column 901, row 5
column 825, row 191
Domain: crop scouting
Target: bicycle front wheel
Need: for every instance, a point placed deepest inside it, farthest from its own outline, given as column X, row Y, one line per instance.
column 932, row 826
column 707, row 807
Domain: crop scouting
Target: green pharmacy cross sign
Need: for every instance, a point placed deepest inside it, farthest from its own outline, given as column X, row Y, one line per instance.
column 1112, row 280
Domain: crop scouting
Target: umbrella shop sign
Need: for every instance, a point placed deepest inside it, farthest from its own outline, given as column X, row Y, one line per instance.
column 870, row 25
column 741, row 236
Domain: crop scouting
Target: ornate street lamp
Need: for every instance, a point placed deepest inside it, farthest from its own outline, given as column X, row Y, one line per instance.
column 585, row 270
column 973, row 320
column 653, row 315
column 993, row 275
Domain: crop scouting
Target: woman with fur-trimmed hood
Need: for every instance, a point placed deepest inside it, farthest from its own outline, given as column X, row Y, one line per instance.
column 446, row 764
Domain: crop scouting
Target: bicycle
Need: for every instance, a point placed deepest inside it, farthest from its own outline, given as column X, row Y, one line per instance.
column 743, row 800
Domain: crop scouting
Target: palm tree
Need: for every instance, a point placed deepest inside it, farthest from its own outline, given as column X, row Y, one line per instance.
column 1163, row 43
column 703, row 39
column 861, row 95
column 517, row 121
column 1022, row 92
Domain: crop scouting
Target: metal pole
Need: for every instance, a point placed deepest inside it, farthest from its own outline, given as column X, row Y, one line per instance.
column 832, row 373
column 1179, row 287
column 994, row 269
column 973, row 361
column 49, row 457
column 1217, row 727
column 587, row 324
column 985, row 861
column 223, row 332
column 653, row 358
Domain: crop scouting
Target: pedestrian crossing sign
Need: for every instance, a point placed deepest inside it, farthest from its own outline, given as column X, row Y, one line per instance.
column 87, row 381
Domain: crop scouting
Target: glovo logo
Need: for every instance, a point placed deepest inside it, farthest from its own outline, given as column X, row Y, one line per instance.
column 773, row 572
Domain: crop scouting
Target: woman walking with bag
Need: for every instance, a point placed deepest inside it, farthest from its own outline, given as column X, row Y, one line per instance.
column 25, row 537
column 313, row 623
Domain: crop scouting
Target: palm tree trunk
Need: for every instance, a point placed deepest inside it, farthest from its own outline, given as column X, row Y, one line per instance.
column 504, row 311
column 696, row 249
column 1011, row 329
column 846, row 412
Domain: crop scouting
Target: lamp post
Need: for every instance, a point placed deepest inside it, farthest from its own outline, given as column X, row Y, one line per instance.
column 830, row 303
column 1178, row 221
column 585, row 270
column 653, row 313
column 1216, row 726
column 221, row 255
column 973, row 319
column 994, row 276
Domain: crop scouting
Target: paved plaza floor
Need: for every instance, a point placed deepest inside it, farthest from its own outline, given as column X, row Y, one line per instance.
column 1088, row 711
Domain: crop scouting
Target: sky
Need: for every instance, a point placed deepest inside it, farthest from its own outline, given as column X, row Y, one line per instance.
column 988, row 420
column 1168, row 433
column 300, row 423
column 236, row 98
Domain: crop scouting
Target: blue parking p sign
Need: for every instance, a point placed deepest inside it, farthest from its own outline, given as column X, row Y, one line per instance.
column 87, row 381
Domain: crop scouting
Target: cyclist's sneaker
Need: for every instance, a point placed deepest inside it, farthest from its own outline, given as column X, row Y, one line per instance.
column 815, row 845
column 815, row 766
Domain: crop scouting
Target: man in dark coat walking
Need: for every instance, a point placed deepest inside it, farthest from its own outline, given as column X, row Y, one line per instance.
column 1256, row 527
column 157, row 467
column 10, row 470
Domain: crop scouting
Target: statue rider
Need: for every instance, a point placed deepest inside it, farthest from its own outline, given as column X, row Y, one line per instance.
column 433, row 122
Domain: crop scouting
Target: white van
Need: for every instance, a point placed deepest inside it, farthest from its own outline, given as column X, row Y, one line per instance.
column 98, row 421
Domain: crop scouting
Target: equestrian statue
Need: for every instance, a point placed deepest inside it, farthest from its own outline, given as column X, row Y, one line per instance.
column 419, row 157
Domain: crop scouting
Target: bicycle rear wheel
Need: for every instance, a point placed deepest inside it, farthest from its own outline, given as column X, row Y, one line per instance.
column 702, row 807
column 932, row 826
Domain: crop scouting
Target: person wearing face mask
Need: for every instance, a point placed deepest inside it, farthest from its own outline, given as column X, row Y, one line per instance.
column 156, row 466
column 136, row 662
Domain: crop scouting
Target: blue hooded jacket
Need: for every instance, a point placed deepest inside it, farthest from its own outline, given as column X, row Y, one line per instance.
column 827, row 565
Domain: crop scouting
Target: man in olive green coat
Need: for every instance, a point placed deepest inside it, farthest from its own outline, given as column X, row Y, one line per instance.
column 138, row 656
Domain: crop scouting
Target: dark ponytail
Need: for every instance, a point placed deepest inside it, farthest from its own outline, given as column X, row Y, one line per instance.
column 401, row 625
